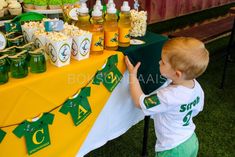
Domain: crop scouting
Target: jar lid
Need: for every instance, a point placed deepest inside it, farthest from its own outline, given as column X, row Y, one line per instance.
column 125, row 6
column 83, row 9
column 96, row 11
column 111, row 9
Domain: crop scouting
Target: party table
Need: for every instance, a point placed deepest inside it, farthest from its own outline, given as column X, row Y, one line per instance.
column 26, row 98
column 124, row 114
column 40, row 94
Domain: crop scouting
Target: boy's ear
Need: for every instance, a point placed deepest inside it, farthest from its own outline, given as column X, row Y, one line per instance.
column 178, row 73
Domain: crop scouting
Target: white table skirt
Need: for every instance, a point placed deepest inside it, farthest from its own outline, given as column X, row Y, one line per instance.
column 118, row 115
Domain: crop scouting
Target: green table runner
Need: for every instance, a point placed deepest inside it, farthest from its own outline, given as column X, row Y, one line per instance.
column 149, row 54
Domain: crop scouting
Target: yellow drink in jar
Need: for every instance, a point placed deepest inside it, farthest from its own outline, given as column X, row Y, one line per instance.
column 124, row 25
column 97, row 29
column 111, row 29
column 83, row 18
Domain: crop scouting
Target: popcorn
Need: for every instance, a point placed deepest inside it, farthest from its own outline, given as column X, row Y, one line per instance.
column 40, row 32
column 138, row 23
column 30, row 25
column 57, row 36
column 29, row 28
column 80, row 32
column 69, row 29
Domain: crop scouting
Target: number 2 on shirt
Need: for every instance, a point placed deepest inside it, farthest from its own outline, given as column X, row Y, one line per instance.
column 112, row 77
column 187, row 118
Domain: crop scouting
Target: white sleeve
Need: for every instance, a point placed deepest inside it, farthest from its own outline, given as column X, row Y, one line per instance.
column 154, row 103
column 200, row 105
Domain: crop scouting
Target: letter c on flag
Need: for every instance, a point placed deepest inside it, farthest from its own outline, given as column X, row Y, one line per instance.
column 35, row 137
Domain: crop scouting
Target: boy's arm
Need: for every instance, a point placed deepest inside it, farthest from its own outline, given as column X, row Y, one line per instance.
column 150, row 104
column 135, row 88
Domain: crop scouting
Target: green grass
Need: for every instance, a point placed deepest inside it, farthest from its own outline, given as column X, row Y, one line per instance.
column 215, row 126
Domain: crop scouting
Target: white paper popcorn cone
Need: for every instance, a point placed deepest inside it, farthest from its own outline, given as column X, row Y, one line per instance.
column 40, row 41
column 28, row 33
column 60, row 52
column 81, row 46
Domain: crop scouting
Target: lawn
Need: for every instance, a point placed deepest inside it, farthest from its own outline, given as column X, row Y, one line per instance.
column 215, row 126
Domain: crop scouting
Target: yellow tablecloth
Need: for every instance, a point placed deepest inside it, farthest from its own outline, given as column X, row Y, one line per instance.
column 25, row 98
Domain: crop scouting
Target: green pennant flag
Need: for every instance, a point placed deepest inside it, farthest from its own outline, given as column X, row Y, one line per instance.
column 110, row 76
column 12, row 27
column 2, row 135
column 78, row 106
column 36, row 132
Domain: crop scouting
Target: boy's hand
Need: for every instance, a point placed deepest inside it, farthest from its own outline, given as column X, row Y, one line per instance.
column 132, row 70
column 135, row 88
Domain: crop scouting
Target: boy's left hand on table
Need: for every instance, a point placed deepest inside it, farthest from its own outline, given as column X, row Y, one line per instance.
column 132, row 69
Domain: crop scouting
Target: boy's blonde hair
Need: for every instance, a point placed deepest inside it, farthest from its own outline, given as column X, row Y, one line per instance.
column 187, row 55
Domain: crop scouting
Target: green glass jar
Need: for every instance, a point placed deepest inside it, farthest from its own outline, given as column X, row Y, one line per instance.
column 10, row 35
column 27, row 47
column 18, row 67
column 11, row 51
column 17, row 41
column 37, row 61
column 3, row 70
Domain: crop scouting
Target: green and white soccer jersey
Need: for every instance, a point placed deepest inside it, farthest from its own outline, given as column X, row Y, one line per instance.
column 2, row 135
column 36, row 132
column 110, row 76
column 78, row 106
column 172, row 109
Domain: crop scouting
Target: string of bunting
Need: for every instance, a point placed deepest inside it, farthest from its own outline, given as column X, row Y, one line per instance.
column 77, row 105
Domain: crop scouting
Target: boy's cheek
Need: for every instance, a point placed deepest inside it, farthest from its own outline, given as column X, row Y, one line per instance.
column 163, row 74
column 161, row 71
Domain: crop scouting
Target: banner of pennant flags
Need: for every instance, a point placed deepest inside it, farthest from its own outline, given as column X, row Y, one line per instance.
column 36, row 131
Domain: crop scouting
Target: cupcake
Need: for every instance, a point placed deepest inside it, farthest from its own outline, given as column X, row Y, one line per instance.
column 15, row 8
column 72, row 2
column 55, row 4
column 66, row 2
column 4, row 5
column 40, row 4
column 9, row 1
column 28, row 4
